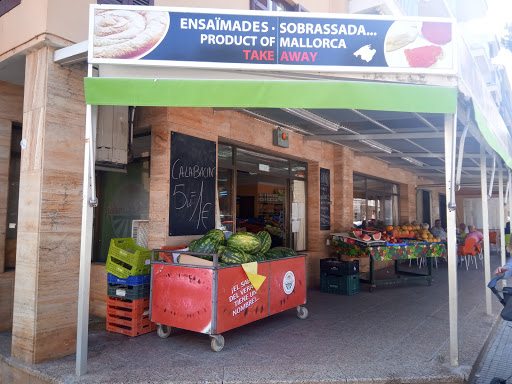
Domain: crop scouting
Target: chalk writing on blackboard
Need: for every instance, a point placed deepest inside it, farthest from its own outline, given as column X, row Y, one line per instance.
column 192, row 185
column 325, row 199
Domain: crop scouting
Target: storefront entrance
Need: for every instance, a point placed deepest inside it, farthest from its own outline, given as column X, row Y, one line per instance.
column 260, row 192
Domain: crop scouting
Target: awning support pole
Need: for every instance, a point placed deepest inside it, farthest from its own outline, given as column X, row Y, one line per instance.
column 502, row 212
column 491, row 182
column 485, row 220
column 509, row 188
column 89, row 201
column 450, row 129
column 461, row 155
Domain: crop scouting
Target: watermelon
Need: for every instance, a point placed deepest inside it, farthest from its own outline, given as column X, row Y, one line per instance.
column 216, row 235
column 247, row 242
column 231, row 255
column 265, row 240
column 259, row 256
column 357, row 233
column 204, row 245
column 377, row 236
column 273, row 253
column 286, row 252
column 365, row 237
column 192, row 244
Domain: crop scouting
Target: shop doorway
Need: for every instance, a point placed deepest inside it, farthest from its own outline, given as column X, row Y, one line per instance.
column 260, row 205
column 261, row 192
column 442, row 209
column 423, row 206
column 11, row 231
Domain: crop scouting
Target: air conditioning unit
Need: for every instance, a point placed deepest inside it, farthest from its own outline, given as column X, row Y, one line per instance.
column 112, row 135
column 140, row 231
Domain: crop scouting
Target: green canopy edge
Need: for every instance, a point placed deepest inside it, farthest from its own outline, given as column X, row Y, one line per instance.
column 270, row 94
column 489, row 136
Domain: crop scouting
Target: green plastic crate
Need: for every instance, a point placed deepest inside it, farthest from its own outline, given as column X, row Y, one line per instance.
column 132, row 292
column 126, row 258
column 340, row 285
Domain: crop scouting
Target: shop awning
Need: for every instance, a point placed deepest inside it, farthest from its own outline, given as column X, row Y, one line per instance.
column 271, row 94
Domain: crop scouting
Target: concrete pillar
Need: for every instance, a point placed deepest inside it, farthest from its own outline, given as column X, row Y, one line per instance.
column 407, row 203
column 343, row 194
column 49, row 217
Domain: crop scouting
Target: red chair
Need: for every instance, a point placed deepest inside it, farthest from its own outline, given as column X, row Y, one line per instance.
column 493, row 239
column 467, row 250
column 478, row 247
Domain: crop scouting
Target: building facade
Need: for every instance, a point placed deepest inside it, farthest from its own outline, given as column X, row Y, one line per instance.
column 257, row 180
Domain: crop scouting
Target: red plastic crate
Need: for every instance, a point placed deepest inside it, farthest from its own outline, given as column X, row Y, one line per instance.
column 136, row 326
column 129, row 317
column 125, row 307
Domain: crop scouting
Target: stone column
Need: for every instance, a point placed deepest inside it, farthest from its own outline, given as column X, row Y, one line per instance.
column 343, row 189
column 49, row 217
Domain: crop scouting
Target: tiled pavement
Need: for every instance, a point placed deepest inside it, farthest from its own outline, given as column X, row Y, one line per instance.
column 397, row 334
column 497, row 360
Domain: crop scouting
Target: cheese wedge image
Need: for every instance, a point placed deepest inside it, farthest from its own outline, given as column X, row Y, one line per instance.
column 400, row 34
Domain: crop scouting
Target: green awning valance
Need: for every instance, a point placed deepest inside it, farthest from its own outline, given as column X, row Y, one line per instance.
column 270, row 94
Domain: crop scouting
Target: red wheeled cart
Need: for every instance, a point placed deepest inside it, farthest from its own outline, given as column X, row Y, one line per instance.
column 215, row 299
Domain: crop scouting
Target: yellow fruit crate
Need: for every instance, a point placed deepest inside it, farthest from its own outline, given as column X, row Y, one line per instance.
column 126, row 258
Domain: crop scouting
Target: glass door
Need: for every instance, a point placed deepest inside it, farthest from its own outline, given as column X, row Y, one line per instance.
column 255, row 194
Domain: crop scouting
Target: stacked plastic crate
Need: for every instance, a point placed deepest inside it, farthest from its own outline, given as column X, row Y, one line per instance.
column 339, row 277
column 128, row 287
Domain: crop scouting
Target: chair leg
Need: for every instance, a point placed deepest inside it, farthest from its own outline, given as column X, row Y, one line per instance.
column 465, row 260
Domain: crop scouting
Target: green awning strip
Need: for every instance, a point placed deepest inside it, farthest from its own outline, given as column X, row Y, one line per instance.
column 270, row 94
column 490, row 138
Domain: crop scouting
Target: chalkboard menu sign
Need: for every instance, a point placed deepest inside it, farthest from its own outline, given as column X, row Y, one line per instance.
column 325, row 199
column 192, row 187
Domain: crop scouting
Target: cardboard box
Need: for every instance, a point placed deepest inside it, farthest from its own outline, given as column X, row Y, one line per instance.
column 364, row 262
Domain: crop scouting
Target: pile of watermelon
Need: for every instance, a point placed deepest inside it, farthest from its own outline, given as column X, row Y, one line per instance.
column 241, row 247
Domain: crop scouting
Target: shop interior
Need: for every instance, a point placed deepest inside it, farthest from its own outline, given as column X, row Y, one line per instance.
column 270, row 195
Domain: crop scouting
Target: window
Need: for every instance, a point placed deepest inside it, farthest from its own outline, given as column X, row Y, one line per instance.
column 7, row 5
column 127, row 2
column 270, row 5
column 375, row 201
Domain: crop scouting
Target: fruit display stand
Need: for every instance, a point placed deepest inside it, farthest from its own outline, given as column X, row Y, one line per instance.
column 214, row 299
column 342, row 244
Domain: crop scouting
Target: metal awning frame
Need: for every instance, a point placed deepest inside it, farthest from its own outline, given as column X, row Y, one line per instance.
column 449, row 130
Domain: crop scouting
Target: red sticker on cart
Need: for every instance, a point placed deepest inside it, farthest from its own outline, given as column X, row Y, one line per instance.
column 287, row 283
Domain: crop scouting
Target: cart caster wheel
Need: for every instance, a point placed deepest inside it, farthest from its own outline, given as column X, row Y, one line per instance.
column 429, row 282
column 163, row 331
column 371, row 289
column 217, row 343
column 302, row 312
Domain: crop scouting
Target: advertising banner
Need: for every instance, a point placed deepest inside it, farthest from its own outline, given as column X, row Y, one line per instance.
column 263, row 40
